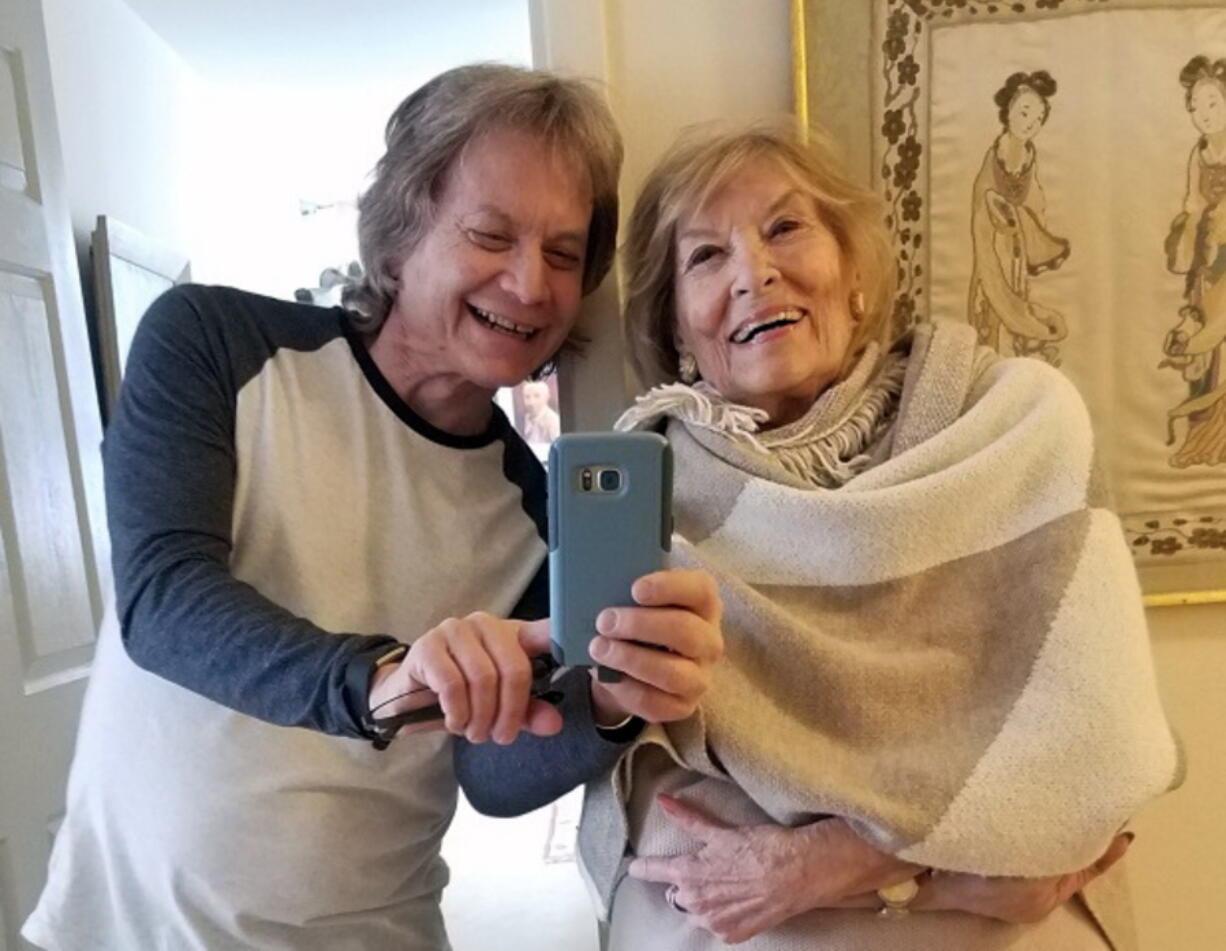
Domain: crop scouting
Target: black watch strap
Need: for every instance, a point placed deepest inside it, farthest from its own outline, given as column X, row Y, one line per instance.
column 359, row 673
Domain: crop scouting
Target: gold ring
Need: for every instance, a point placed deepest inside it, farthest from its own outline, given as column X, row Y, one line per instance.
column 896, row 898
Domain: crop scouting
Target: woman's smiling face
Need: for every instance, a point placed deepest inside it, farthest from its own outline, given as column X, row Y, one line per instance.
column 762, row 297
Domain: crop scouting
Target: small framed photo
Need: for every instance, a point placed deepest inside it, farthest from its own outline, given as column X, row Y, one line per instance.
column 533, row 410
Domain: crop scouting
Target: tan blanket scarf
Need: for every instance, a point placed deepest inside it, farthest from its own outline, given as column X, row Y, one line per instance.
column 949, row 650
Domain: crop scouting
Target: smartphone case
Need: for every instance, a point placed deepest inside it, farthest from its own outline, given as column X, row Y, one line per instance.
column 601, row 543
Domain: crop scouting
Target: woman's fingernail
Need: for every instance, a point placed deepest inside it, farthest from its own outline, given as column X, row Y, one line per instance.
column 641, row 590
column 598, row 647
column 606, row 621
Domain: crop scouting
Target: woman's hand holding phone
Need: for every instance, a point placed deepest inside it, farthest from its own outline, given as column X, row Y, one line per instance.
column 665, row 647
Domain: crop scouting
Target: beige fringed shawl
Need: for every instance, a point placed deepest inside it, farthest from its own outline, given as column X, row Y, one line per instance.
column 949, row 649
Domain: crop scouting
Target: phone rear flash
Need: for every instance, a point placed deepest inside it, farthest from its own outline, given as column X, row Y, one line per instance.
column 600, row 479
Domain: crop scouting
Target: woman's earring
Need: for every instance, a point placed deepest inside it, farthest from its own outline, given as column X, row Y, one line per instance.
column 687, row 368
column 856, row 304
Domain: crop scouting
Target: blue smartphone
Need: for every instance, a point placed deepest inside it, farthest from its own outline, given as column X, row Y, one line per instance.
column 610, row 523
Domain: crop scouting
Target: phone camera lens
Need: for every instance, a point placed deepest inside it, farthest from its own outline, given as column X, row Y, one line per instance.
column 610, row 480
column 585, row 479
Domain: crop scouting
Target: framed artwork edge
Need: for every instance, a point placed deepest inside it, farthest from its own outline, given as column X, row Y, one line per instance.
column 1152, row 577
column 851, row 121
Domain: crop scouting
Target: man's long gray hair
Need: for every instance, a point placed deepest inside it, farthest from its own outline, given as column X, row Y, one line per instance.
column 430, row 130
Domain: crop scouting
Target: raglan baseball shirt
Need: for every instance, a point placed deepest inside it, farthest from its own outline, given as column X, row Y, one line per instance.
column 278, row 517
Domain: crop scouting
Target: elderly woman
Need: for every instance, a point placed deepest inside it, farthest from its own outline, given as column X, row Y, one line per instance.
column 320, row 518
column 937, row 695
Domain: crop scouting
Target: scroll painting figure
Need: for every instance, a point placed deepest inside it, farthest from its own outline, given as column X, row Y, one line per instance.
column 1196, row 247
column 1009, row 235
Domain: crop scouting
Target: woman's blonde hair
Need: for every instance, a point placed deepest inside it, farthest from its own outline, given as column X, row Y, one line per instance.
column 687, row 176
column 429, row 131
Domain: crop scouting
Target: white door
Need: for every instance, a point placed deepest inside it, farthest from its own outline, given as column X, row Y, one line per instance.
column 53, row 547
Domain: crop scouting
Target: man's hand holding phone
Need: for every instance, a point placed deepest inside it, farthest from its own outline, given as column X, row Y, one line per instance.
column 478, row 670
column 665, row 646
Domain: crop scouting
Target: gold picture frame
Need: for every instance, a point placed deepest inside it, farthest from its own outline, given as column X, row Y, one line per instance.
column 842, row 54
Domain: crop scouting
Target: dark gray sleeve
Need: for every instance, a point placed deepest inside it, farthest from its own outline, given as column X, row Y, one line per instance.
column 170, row 468
column 532, row 771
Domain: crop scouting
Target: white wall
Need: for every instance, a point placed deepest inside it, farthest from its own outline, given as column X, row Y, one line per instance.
column 677, row 64
column 126, row 105
column 278, row 143
column 1176, row 861
column 273, row 146
column 216, row 170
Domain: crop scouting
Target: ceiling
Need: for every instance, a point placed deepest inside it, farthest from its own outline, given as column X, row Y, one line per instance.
column 306, row 42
